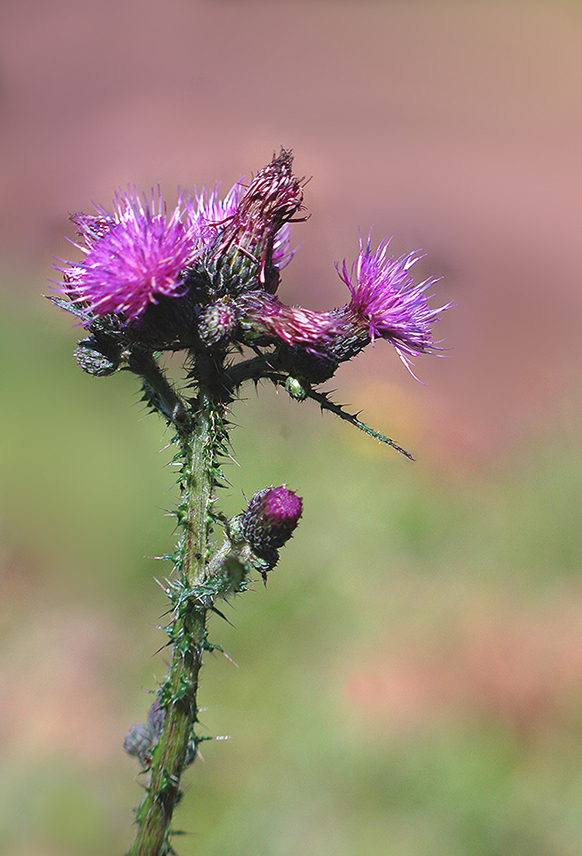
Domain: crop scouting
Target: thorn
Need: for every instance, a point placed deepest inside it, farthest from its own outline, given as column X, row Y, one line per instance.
column 166, row 645
column 221, row 614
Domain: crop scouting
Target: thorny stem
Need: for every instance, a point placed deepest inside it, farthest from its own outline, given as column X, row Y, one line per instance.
column 159, row 392
column 178, row 694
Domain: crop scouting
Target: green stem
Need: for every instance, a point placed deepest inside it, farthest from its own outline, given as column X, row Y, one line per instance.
column 188, row 633
column 159, row 392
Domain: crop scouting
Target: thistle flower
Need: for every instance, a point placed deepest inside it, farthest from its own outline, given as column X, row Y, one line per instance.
column 386, row 303
column 271, row 516
column 132, row 257
column 204, row 279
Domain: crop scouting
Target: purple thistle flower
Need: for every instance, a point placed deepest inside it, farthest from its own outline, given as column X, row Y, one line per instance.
column 262, row 317
column 132, row 257
column 271, row 517
column 385, row 302
column 208, row 214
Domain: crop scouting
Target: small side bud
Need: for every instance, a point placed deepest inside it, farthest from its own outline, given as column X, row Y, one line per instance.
column 216, row 323
column 138, row 742
column 270, row 519
column 295, row 389
column 91, row 357
column 156, row 719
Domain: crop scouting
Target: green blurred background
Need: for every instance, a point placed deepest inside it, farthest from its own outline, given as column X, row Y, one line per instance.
column 410, row 682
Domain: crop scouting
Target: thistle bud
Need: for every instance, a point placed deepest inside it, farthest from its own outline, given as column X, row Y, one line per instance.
column 271, row 516
column 156, row 719
column 138, row 741
column 95, row 359
column 217, row 323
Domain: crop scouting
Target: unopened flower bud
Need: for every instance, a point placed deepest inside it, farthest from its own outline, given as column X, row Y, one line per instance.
column 156, row 719
column 216, row 323
column 138, row 741
column 271, row 517
column 295, row 389
column 91, row 357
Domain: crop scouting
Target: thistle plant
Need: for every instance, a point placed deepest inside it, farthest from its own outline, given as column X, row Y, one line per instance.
column 203, row 279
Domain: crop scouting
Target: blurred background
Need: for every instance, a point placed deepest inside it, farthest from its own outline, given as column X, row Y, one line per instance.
column 410, row 682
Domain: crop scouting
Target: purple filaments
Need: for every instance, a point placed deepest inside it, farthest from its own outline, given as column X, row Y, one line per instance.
column 264, row 316
column 282, row 254
column 132, row 257
column 386, row 302
column 209, row 213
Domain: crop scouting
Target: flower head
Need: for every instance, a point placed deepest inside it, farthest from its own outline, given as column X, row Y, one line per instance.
column 385, row 301
column 132, row 257
column 208, row 213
